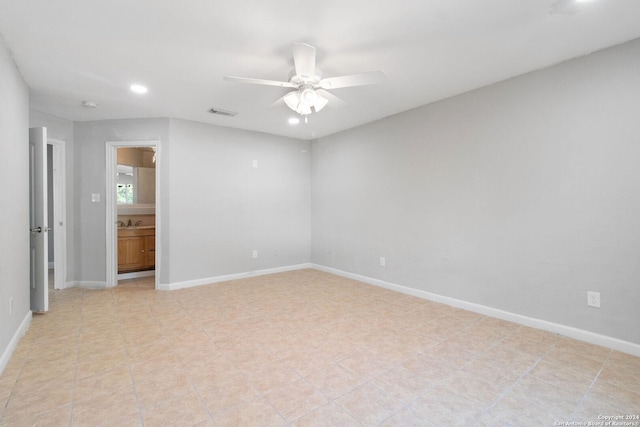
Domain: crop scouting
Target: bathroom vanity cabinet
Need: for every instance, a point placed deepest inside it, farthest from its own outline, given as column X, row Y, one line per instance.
column 136, row 249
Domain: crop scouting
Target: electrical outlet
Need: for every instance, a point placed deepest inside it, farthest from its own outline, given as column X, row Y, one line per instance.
column 383, row 261
column 254, row 163
column 254, row 254
column 593, row 299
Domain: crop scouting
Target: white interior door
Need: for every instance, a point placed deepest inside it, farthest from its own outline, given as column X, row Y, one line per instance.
column 38, row 219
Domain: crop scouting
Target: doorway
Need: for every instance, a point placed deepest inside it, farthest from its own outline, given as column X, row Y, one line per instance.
column 47, row 200
column 135, row 225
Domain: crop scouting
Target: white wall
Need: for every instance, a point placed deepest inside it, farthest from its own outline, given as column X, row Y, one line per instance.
column 519, row 196
column 222, row 208
column 14, row 207
column 216, row 208
column 90, row 177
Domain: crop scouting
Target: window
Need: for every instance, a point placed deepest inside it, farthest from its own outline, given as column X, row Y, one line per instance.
column 125, row 194
column 125, row 185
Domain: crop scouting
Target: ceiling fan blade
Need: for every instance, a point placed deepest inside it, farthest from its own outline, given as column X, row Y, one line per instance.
column 277, row 103
column 372, row 77
column 259, row 81
column 304, row 56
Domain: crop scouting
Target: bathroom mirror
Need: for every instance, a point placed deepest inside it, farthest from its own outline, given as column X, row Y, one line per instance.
column 136, row 185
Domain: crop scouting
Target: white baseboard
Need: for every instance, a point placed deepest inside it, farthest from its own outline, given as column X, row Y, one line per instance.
column 22, row 329
column 227, row 277
column 86, row 284
column 569, row 331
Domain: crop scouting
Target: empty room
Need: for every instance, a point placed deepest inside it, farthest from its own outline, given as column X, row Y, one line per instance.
column 320, row 213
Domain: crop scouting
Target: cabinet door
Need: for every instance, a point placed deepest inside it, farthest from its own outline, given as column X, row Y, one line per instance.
column 131, row 253
column 150, row 244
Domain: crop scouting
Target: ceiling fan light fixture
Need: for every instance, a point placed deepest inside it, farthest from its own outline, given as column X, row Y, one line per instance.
column 304, row 109
column 292, row 99
column 320, row 103
column 308, row 96
column 296, row 103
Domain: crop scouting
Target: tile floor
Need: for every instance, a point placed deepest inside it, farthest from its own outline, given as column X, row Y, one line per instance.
column 302, row 348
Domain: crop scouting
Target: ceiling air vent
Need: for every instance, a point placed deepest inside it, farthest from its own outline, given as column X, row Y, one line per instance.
column 221, row 112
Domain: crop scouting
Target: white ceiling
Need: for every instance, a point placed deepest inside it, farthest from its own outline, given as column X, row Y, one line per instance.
column 71, row 51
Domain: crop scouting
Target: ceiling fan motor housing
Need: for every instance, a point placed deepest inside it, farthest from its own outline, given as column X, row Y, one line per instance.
column 305, row 80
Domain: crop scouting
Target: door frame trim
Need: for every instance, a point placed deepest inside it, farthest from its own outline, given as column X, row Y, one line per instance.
column 59, row 225
column 111, row 207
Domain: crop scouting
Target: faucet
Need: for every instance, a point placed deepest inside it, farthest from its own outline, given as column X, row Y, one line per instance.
column 129, row 223
column 120, row 224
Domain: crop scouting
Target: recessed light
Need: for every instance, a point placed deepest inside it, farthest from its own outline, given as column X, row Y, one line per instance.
column 294, row 120
column 138, row 88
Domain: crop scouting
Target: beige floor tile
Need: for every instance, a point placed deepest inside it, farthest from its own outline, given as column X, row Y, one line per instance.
column 403, row 384
column 235, row 350
column 533, row 390
column 518, row 411
column 227, row 391
column 329, row 414
column 537, row 335
column 46, row 397
column 186, row 410
column 442, row 407
column 523, row 343
column 616, row 374
column 502, row 326
column 250, row 359
column 334, row 381
column 450, row 353
column 407, row 417
column 271, row 375
column 564, row 376
column 296, row 399
column 108, row 409
column 572, row 346
column 624, row 361
column 604, row 398
column 150, row 351
column 481, row 392
column 100, row 363
column 164, row 363
column 306, row 362
column 363, row 365
column 36, row 377
column 206, row 375
column 256, row 412
column 471, row 342
column 56, row 418
column 500, row 373
column 106, row 383
column 161, row 387
column 368, row 404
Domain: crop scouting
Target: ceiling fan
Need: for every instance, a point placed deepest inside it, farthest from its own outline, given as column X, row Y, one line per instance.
column 311, row 90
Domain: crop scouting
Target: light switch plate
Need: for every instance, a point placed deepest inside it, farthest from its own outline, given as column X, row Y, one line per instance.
column 95, row 197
